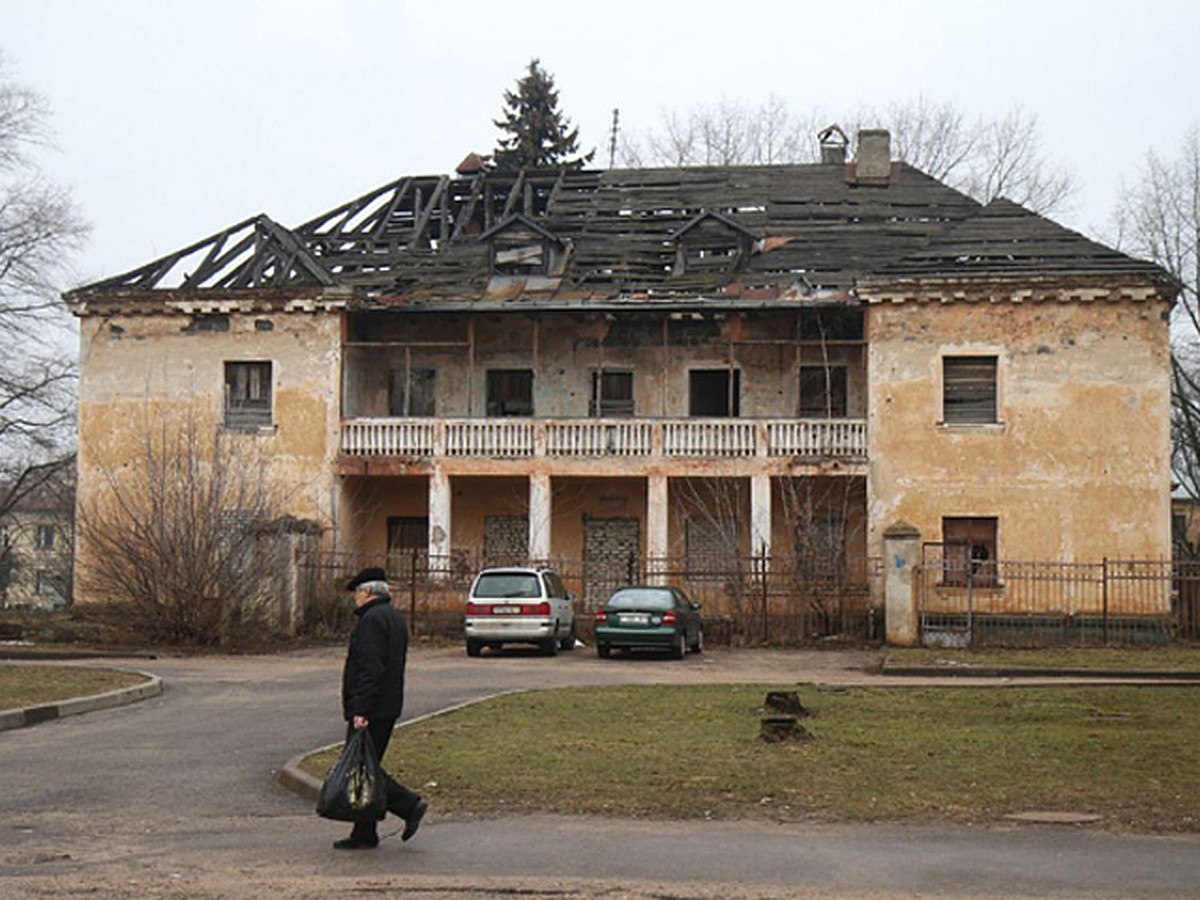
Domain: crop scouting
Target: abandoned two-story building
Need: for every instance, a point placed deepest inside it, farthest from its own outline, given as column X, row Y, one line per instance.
column 775, row 362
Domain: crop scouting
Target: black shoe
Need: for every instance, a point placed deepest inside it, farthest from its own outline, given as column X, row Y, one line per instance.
column 413, row 820
column 356, row 843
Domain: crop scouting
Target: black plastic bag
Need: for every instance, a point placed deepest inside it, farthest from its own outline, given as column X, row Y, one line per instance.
column 355, row 789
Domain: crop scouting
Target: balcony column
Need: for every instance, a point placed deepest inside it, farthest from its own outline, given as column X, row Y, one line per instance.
column 760, row 516
column 539, row 517
column 439, row 516
column 657, row 543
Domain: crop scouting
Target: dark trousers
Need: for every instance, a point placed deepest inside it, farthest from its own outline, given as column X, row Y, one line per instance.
column 400, row 800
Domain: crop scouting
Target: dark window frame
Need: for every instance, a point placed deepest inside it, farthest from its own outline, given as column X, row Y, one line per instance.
column 249, row 394
column 716, row 401
column 612, row 394
column 970, row 551
column 504, row 394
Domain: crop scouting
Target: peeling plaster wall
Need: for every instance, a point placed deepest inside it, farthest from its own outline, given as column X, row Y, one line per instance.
column 138, row 371
column 1078, row 468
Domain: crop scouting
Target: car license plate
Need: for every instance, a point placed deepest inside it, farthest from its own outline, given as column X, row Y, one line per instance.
column 506, row 610
column 635, row 619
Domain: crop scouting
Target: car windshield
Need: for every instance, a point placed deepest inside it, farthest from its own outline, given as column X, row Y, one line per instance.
column 640, row 598
column 507, row 585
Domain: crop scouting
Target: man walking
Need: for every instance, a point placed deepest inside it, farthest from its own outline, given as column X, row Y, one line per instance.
column 373, row 694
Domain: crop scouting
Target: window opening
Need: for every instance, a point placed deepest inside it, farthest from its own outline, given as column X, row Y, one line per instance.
column 823, row 392
column 714, row 392
column 612, row 394
column 970, row 553
column 968, row 390
column 510, row 392
column 412, row 392
column 247, row 394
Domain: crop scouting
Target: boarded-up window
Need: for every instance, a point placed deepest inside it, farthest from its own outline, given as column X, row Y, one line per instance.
column 510, row 392
column 412, row 392
column 822, row 392
column 407, row 533
column 714, row 392
column 968, row 389
column 970, row 550
column 247, row 395
column 612, row 394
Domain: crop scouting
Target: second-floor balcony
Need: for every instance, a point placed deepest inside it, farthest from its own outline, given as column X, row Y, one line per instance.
column 593, row 438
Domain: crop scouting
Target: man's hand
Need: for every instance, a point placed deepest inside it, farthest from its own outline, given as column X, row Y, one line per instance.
column 360, row 722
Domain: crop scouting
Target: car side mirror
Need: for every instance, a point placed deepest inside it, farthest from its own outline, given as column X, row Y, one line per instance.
column 695, row 607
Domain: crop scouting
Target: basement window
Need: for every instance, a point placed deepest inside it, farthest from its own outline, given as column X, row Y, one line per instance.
column 247, row 395
column 969, row 395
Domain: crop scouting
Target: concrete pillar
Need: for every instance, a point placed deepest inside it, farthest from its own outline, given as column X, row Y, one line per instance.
column 902, row 556
column 539, row 517
column 760, row 516
column 657, row 523
column 439, row 520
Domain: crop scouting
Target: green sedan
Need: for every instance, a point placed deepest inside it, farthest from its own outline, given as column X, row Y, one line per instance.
column 649, row 618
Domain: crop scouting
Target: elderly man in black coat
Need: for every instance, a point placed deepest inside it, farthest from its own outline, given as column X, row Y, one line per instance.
column 373, row 693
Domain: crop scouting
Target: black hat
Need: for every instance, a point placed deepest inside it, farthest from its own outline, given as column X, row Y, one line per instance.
column 374, row 573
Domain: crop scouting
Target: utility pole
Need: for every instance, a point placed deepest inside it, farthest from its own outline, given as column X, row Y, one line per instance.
column 612, row 141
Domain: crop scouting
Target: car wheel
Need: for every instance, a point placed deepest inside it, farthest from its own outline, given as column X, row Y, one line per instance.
column 568, row 643
column 680, row 646
column 474, row 647
column 603, row 651
column 550, row 647
column 698, row 644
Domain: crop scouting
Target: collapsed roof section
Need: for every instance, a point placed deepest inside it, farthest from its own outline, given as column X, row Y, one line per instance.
column 734, row 233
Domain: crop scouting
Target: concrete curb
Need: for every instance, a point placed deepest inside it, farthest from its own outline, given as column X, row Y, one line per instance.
column 74, row 706
column 1081, row 675
column 308, row 787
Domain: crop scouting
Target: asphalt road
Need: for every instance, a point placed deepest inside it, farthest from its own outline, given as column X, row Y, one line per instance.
column 176, row 797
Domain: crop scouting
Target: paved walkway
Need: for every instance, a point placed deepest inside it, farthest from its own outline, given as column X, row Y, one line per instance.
column 176, row 797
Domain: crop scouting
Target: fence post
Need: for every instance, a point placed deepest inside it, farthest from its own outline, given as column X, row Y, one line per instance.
column 412, row 592
column 901, row 544
column 1104, row 596
column 760, row 562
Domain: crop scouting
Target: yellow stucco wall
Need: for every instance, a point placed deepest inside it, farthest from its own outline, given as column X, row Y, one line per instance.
column 1077, row 468
column 141, row 371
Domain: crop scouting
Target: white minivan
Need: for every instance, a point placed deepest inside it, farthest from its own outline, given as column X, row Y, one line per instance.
column 519, row 606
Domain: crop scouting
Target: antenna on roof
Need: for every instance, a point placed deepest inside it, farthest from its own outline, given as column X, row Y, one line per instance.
column 612, row 141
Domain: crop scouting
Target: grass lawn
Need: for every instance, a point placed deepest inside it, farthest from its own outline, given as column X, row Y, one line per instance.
column 34, row 685
column 1128, row 754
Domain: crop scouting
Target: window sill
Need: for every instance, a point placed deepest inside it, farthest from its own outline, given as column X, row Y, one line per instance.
column 980, row 427
column 250, row 429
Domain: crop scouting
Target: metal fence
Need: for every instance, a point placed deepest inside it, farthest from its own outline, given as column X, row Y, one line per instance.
column 777, row 601
column 973, row 602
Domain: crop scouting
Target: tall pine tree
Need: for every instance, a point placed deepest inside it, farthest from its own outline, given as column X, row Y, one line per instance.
column 538, row 135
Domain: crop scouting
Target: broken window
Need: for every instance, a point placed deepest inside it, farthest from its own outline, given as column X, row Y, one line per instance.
column 612, row 394
column 714, row 392
column 247, row 395
column 411, row 392
column 969, row 557
column 510, row 392
column 823, row 392
column 968, row 390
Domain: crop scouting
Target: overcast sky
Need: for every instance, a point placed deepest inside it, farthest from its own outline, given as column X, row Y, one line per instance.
column 176, row 119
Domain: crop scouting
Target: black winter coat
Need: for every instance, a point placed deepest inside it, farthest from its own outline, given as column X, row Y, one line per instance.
column 373, row 677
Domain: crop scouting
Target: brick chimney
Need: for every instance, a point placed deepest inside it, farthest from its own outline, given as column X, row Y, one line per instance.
column 873, row 162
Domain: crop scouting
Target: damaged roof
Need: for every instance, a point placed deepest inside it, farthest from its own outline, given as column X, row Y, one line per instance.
column 736, row 233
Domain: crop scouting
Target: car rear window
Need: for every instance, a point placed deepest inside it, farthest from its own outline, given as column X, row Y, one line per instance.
column 507, row 585
column 640, row 598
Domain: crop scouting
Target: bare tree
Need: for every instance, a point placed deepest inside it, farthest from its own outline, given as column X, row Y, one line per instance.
column 187, row 531
column 985, row 158
column 1158, row 218
column 39, row 228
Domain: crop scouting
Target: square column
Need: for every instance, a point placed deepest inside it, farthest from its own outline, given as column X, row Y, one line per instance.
column 539, row 517
column 657, row 543
column 760, row 516
column 439, row 515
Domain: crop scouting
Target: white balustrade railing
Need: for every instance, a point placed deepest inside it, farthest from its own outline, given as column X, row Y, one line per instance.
column 514, row 438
